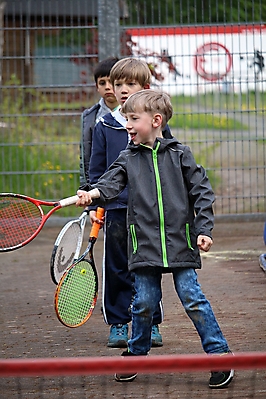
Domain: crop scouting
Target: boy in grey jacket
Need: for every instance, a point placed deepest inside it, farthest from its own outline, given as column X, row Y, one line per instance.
column 170, row 218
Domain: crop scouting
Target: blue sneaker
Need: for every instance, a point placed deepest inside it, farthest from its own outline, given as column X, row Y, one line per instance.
column 156, row 338
column 118, row 336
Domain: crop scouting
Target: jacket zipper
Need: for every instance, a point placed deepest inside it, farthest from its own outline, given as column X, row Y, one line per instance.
column 160, row 203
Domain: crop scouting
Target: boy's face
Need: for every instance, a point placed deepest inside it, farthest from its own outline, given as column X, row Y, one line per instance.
column 105, row 89
column 143, row 127
column 124, row 88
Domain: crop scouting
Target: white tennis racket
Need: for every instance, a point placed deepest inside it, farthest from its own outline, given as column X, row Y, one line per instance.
column 67, row 246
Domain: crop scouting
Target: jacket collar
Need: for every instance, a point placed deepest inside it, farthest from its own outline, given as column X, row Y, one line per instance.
column 110, row 120
column 163, row 144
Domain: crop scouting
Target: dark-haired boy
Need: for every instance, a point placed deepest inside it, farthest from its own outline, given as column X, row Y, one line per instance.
column 91, row 116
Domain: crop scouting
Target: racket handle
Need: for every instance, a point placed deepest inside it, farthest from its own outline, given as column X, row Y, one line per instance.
column 68, row 201
column 94, row 193
column 96, row 226
column 72, row 200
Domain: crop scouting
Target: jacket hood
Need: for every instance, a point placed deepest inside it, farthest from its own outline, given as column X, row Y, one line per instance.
column 110, row 121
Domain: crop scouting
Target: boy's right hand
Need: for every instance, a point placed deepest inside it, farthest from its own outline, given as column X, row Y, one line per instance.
column 86, row 197
column 93, row 218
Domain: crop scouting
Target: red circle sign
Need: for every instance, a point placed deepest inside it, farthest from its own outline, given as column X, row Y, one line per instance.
column 212, row 61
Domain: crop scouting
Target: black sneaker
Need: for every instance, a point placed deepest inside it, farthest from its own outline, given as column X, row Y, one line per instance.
column 126, row 377
column 220, row 379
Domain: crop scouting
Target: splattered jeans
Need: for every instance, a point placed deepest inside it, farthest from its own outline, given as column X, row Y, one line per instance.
column 147, row 284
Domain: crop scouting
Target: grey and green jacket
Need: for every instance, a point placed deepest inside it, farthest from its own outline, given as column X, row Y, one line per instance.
column 169, row 203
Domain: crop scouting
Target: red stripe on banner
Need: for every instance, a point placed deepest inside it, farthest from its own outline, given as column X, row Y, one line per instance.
column 196, row 30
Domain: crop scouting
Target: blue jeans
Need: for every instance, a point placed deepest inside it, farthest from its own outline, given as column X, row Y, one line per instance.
column 147, row 284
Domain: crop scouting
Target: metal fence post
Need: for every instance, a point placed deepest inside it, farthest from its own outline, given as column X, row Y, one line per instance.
column 2, row 7
column 108, row 29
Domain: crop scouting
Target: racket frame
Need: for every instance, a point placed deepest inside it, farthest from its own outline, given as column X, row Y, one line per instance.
column 55, row 274
column 89, row 250
column 92, row 304
column 55, row 204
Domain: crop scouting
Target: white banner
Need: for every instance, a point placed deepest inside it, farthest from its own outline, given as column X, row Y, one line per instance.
column 199, row 59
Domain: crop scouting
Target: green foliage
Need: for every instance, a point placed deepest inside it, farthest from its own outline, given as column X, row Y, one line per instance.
column 166, row 12
column 150, row 12
column 67, row 37
column 17, row 99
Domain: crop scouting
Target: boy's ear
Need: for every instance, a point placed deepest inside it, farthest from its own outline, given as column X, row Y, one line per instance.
column 147, row 86
column 157, row 120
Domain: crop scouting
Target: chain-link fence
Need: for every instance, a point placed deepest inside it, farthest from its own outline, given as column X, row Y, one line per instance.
column 209, row 56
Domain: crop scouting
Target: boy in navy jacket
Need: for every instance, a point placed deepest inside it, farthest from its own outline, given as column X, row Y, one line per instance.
column 110, row 136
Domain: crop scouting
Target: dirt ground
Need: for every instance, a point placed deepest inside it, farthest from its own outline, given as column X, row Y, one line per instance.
column 231, row 279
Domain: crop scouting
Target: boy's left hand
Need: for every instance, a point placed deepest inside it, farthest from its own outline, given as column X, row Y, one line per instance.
column 204, row 243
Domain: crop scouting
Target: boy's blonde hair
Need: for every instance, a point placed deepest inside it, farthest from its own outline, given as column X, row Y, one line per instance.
column 131, row 69
column 151, row 101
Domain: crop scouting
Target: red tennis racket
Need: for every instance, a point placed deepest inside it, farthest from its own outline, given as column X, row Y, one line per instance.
column 22, row 218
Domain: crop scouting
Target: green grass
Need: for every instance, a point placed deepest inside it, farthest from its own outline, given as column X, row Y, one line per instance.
column 207, row 111
column 230, row 101
column 190, row 120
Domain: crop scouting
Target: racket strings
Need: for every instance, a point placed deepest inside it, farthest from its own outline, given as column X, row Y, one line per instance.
column 19, row 220
column 77, row 295
column 67, row 247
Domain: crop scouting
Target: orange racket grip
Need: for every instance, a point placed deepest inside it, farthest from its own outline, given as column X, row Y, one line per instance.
column 96, row 226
